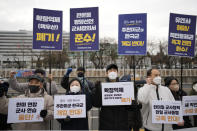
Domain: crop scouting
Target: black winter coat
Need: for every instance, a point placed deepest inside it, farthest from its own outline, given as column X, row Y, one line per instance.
column 187, row 122
column 77, row 123
column 110, row 117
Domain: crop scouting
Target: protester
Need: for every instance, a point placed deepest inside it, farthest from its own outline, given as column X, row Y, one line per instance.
column 149, row 92
column 4, row 106
column 21, row 87
column 35, row 89
column 75, row 88
column 173, row 84
column 194, row 92
column 88, row 85
column 110, row 117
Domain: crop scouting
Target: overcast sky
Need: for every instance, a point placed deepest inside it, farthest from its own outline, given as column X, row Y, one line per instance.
column 18, row 14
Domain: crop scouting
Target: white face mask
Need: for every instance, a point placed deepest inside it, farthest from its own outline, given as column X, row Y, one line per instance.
column 195, row 87
column 75, row 89
column 112, row 75
column 176, row 87
column 157, row 80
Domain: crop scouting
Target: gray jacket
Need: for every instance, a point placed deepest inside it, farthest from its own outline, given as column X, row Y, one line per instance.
column 22, row 87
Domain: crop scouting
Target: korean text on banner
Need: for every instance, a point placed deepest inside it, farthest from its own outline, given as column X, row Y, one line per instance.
column 69, row 105
column 117, row 93
column 169, row 112
column 47, row 29
column 25, row 110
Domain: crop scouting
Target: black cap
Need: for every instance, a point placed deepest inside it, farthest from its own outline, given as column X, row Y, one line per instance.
column 36, row 77
column 114, row 66
column 39, row 71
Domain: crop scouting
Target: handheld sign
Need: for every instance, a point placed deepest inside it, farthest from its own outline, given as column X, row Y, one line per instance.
column 182, row 31
column 117, row 93
column 84, row 29
column 47, row 29
column 25, row 110
column 132, row 34
column 69, row 105
column 169, row 112
column 189, row 105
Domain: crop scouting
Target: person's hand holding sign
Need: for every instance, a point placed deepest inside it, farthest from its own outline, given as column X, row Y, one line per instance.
column 43, row 113
column 181, row 123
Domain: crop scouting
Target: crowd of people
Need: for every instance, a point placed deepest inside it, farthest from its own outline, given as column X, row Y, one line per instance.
column 135, row 116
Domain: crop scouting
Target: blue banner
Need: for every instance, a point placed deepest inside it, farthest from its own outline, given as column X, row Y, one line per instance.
column 132, row 34
column 47, row 29
column 84, row 29
column 23, row 73
column 182, row 31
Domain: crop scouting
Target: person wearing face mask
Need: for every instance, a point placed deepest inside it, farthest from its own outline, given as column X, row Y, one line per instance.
column 75, row 88
column 21, row 87
column 87, row 85
column 36, row 90
column 4, row 106
column 110, row 117
column 194, row 92
column 173, row 84
column 153, row 90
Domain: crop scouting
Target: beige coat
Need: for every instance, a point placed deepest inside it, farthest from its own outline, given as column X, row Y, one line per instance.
column 48, row 105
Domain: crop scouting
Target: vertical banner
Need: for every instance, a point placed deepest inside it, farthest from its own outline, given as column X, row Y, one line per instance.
column 189, row 105
column 69, row 105
column 84, row 29
column 117, row 93
column 166, row 112
column 182, row 31
column 25, row 110
column 47, row 29
column 132, row 34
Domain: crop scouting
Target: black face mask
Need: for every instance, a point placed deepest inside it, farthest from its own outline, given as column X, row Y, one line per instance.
column 80, row 74
column 34, row 89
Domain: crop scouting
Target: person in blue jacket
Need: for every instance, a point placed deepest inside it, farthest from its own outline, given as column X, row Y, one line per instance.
column 75, row 88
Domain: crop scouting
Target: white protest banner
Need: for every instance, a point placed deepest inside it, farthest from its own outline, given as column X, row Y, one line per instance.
column 189, row 105
column 169, row 112
column 69, row 105
column 25, row 110
column 117, row 93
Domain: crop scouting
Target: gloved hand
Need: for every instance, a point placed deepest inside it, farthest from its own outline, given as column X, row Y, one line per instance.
column 69, row 70
column 67, row 119
column 43, row 113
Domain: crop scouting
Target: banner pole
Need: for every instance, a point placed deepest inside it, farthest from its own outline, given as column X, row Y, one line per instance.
column 181, row 77
column 135, row 88
column 50, row 82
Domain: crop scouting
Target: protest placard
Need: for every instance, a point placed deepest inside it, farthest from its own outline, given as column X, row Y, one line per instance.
column 189, row 105
column 182, row 32
column 69, row 105
column 25, row 110
column 84, row 29
column 117, row 93
column 169, row 112
column 132, row 34
column 47, row 29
